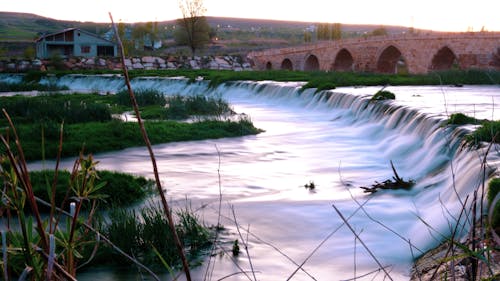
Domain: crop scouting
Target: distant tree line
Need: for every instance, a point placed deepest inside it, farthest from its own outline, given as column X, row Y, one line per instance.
column 325, row 31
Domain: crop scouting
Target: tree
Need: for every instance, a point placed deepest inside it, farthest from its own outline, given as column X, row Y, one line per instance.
column 193, row 28
column 336, row 31
column 381, row 31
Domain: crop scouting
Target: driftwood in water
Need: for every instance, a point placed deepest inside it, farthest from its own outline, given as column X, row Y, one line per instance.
column 395, row 183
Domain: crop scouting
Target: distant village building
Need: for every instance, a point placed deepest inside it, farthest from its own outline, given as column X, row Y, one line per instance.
column 74, row 42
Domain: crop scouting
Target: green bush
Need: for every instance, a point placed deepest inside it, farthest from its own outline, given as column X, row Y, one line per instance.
column 383, row 95
column 462, row 119
column 493, row 189
column 487, row 132
column 120, row 190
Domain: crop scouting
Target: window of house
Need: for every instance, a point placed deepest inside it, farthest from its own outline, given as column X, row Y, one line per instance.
column 85, row 49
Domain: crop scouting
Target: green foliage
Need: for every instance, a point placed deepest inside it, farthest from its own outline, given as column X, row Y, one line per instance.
column 120, row 190
column 138, row 232
column 462, row 119
column 144, row 97
column 29, row 53
column 54, row 108
column 88, row 124
column 383, row 95
column 23, row 87
column 115, row 135
column 487, row 132
column 493, row 189
column 329, row 31
column 381, row 31
column 193, row 29
column 180, row 107
column 56, row 61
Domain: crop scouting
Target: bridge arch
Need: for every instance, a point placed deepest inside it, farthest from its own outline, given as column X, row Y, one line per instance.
column 343, row 61
column 269, row 65
column 444, row 59
column 287, row 64
column 391, row 60
column 311, row 63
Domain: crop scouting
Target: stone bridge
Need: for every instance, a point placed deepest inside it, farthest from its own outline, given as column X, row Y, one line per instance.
column 414, row 54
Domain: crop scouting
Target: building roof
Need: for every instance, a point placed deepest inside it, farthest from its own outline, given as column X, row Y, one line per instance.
column 73, row 29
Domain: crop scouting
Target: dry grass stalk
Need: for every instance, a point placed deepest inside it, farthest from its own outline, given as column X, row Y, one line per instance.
column 164, row 202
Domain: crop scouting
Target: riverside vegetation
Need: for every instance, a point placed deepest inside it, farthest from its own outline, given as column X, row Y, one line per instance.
column 57, row 125
column 88, row 121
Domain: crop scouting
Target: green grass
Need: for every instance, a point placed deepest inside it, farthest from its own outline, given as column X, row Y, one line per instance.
column 180, row 108
column 57, row 108
column 137, row 232
column 120, row 190
column 88, row 123
column 25, row 87
column 97, row 137
column 319, row 79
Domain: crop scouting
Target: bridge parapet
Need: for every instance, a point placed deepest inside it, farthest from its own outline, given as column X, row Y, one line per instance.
column 389, row 54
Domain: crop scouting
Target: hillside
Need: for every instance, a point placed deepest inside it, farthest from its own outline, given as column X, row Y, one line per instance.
column 27, row 27
column 234, row 36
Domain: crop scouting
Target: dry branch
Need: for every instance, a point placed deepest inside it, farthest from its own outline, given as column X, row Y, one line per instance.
column 395, row 183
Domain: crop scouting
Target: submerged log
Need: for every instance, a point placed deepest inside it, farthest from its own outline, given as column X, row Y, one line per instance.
column 395, row 183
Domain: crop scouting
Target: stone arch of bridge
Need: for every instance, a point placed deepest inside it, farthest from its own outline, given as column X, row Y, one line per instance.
column 344, row 61
column 391, row 60
column 269, row 65
column 444, row 59
column 311, row 63
column 287, row 64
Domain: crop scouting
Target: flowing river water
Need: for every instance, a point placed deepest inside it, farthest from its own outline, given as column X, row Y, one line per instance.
column 339, row 141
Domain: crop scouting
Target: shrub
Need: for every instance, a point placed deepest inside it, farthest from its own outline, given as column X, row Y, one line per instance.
column 383, row 95
column 487, row 132
column 462, row 119
column 120, row 190
column 493, row 189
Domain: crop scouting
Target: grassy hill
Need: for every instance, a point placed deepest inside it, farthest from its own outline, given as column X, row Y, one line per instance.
column 234, row 35
column 27, row 27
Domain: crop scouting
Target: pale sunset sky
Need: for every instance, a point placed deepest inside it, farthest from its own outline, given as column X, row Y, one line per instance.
column 441, row 15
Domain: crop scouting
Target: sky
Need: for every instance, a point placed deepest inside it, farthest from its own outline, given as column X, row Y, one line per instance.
column 439, row 15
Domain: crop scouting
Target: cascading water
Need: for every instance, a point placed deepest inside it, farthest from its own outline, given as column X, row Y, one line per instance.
column 337, row 139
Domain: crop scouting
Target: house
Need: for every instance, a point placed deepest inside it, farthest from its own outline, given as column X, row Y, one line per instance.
column 74, row 42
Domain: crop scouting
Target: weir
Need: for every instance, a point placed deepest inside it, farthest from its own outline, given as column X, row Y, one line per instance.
column 338, row 139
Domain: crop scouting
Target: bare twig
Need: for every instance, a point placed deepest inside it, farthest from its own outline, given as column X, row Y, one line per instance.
column 324, row 241
column 245, row 243
column 164, row 202
column 210, row 267
column 361, row 241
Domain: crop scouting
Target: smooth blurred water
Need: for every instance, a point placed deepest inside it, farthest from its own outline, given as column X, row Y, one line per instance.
column 336, row 139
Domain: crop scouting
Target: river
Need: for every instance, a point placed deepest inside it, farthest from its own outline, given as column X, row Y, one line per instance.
column 337, row 140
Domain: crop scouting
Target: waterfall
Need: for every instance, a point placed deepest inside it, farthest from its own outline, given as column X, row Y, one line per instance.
column 340, row 139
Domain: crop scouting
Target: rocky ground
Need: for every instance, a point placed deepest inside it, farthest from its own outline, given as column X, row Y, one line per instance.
column 451, row 262
column 235, row 63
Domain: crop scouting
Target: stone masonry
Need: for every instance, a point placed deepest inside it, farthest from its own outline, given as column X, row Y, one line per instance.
column 385, row 54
